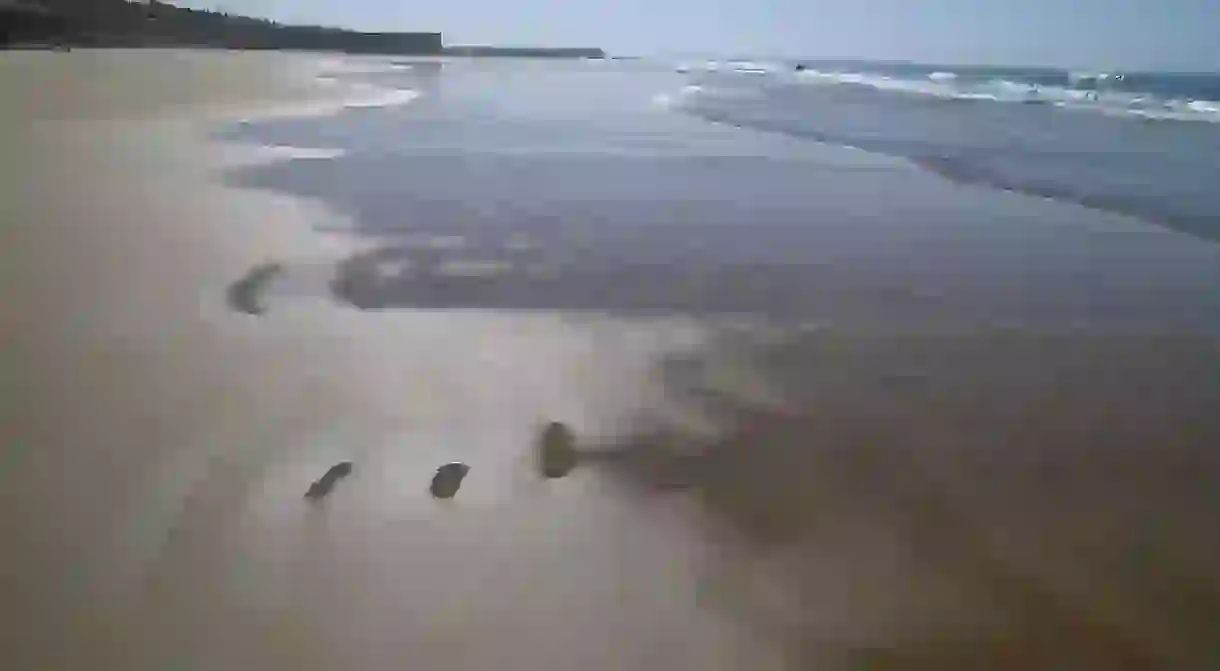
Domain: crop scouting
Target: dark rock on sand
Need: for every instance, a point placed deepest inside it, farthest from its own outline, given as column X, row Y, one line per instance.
column 556, row 450
column 327, row 482
column 448, row 479
column 243, row 294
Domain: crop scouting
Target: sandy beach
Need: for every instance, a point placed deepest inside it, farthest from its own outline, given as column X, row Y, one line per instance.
column 161, row 442
column 817, row 499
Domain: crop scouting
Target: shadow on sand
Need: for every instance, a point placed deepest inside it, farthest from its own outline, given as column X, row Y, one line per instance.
column 245, row 295
column 983, row 501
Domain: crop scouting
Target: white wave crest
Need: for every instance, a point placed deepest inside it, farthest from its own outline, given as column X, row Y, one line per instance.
column 942, row 89
column 753, row 67
column 354, row 66
column 669, row 100
column 281, row 152
column 990, row 97
column 1082, row 94
column 378, row 97
column 1093, row 78
column 743, row 67
column 1204, row 106
column 949, row 86
column 358, row 96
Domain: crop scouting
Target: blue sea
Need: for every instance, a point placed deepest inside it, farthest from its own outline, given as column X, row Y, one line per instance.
column 1142, row 143
column 890, row 195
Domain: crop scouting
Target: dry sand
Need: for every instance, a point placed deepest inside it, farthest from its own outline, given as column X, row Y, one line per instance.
column 865, row 501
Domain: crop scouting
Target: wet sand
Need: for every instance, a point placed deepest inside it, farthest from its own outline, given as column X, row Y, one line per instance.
column 832, row 500
column 1001, row 499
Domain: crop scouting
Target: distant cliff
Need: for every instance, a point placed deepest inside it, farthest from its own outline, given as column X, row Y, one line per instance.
column 121, row 23
column 523, row 52
column 25, row 22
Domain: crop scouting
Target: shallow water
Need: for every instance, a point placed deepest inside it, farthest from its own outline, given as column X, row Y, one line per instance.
column 1143, row 145
column 584, row 186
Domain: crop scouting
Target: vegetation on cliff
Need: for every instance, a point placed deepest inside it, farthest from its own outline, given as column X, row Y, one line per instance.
column 138, row 24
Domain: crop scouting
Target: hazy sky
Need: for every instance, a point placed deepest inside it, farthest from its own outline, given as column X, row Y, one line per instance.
column 1075, row 33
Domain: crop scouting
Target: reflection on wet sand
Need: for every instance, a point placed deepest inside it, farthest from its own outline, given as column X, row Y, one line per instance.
column 395, row 276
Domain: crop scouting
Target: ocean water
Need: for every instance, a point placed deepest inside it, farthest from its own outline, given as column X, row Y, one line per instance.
column 890, row 196
column 1140, row 143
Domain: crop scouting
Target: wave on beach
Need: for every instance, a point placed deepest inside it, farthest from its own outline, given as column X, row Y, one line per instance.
column 354, row 98
column 1106, row 141
column 1155, row 96
column 664, row 230
column 342, row 86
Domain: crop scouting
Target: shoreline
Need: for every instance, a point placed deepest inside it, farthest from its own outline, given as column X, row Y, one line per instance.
column 958, row 169
column 1198, row 227
column 1192, row 226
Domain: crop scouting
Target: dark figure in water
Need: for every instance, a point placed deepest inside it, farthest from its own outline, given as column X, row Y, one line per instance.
column 448, row 479
column 800, row 67
column 327, row 482
column 556, row 450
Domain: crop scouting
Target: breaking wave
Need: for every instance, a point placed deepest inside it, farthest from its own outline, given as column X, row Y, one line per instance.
column 1146, row 96
column 1094, row 139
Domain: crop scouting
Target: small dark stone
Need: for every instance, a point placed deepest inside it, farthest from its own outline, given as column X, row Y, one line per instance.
column 448, row 479
column 556, row 450
column 326, row 483
column 243, row 295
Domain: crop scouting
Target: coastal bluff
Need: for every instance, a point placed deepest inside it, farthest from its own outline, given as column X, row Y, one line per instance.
column 119, row 23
